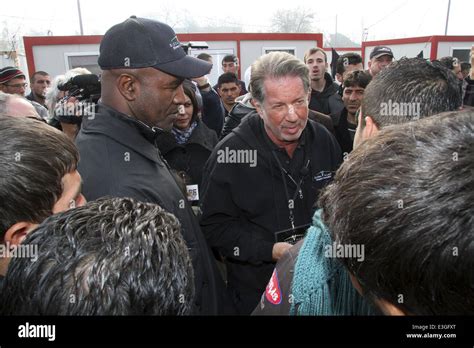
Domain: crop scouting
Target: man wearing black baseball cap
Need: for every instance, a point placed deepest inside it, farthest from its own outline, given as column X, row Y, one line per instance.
column 143, row 70
column 380, row 57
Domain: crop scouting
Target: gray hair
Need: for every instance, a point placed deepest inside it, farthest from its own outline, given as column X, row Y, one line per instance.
column 4, row 97
column 276, row 65
column 5, row 101
column 52, row 92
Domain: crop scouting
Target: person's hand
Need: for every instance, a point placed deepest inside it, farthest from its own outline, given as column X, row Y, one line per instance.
column 200, row 80
column 203, row 83
column 279, row 249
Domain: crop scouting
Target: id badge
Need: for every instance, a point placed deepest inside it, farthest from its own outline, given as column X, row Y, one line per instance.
column 193, row 192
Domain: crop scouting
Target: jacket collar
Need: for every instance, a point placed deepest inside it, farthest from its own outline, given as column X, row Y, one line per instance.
column 125, row 130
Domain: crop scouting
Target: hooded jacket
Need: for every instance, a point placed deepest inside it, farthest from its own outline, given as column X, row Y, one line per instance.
column 242, row 108
column 328, row 102
column 119, row 158
column 245, row 206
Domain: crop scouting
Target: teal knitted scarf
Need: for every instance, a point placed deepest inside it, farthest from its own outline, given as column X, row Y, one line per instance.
column 321, row 285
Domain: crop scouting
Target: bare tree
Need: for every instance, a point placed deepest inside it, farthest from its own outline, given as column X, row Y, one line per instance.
column 166, row 12
column 297, row 20
column 342, row 41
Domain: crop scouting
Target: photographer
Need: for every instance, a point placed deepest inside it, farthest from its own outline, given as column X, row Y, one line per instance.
column 72, row 96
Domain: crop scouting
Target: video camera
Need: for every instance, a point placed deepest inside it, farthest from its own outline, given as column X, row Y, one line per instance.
column 194, row 45
column 86, row 90
column 82, row 87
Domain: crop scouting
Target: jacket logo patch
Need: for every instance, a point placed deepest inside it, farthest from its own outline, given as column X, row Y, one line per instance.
column 273, row 292
column 323, row 175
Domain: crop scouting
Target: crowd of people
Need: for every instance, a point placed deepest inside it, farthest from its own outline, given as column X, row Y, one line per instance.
column 285, row 194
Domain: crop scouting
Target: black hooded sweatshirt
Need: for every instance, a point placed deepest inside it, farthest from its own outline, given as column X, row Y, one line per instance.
column 328, row 101
column 245, row 207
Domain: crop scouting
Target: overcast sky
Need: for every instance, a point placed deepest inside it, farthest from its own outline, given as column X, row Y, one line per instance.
column 384, row 19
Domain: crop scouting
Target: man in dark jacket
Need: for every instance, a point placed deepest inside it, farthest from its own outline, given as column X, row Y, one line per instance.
column 324, row 91
column 261, row 181
column 143, row 70
column 398, row 84
column 40, row 81
column 354, row 85
column 243, row 106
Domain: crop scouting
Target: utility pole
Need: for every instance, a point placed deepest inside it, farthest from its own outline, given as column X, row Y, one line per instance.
column 80, row 16
column 447, row 19
column 335, row 37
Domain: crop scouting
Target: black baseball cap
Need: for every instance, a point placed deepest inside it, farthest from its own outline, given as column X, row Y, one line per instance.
column 380, row 51
column 143, row 43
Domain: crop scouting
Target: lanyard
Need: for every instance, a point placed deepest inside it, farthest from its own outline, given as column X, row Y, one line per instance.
column 291, row 202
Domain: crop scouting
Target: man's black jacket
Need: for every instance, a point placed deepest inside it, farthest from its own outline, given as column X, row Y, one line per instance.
column 119, row 158
column 243, row 206
column 328, row 102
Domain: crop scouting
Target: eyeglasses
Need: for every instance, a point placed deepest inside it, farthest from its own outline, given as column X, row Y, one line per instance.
column 18, row 85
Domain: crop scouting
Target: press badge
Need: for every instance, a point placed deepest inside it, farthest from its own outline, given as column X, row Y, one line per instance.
column 193, row 192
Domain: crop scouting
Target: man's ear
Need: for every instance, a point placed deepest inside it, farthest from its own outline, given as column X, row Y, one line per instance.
column 257, row 107
column 18, row 232
column 370, row 128
column 128, row 86
column 369, row 63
